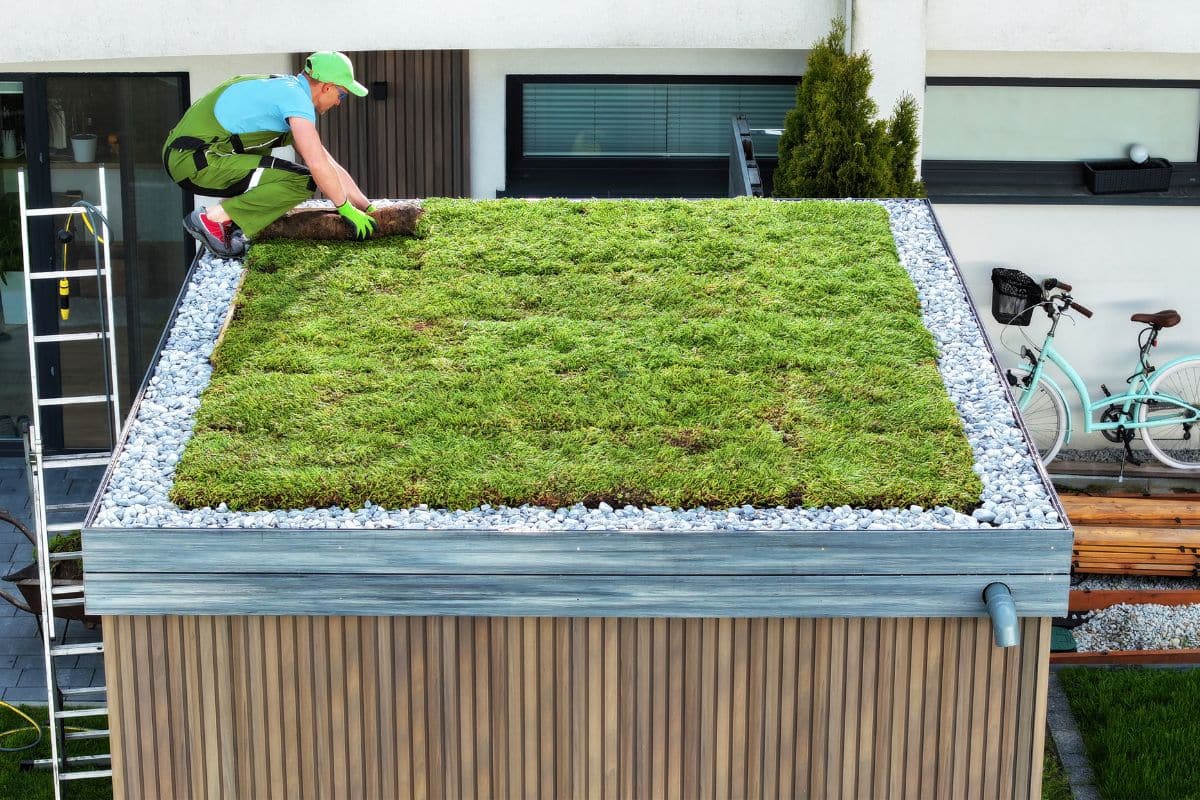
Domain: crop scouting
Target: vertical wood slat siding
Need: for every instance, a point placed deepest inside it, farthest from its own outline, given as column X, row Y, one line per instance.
column 221, row 708
column 414, row 144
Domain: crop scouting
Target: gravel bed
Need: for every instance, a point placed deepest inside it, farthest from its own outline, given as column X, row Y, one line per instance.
column 1142, row 626
column 1132, row 582
column 1014, row 494
column 1139, row 627
column 1106, row 455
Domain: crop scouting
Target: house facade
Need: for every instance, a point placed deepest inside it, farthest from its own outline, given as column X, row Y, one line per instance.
column 614, row 98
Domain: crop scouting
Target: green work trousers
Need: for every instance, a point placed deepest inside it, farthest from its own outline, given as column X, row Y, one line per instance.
column 257, row 189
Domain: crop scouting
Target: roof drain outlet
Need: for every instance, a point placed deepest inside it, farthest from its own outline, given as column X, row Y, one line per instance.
column 1003, row 612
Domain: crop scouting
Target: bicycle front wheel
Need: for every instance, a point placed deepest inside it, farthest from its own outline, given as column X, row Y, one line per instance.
column 1045, row 417
column 1176, row 444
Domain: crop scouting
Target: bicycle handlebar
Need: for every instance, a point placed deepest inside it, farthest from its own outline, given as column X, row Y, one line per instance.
column 1055, row 283
column 1085, row 311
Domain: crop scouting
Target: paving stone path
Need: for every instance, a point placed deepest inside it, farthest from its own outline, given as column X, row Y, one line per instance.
column 22, row 673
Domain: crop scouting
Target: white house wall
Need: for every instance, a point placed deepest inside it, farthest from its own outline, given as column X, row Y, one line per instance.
column 1147, row 66
column 489, row 68
column 1121, row 260
column 1072, row 26
column 121, row 28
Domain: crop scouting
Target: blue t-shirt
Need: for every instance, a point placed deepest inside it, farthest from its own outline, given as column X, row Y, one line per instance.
column 264, row 104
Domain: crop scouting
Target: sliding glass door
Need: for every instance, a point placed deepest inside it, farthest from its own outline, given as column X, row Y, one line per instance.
column 74, row 124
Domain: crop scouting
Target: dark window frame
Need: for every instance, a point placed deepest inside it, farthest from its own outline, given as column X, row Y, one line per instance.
column 646, row 176
column 983, row 181
column 35, row 91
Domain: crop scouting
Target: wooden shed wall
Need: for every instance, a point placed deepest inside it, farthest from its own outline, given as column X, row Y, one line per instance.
column 477, row 707
column 413, row 142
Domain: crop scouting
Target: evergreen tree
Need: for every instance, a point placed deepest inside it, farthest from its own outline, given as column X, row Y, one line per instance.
column 832, row 145
column 903, row 140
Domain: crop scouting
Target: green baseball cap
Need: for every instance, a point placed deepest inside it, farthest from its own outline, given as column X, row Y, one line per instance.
column 333, row 67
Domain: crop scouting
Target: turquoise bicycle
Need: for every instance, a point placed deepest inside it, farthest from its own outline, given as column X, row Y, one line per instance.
column 1160, row 403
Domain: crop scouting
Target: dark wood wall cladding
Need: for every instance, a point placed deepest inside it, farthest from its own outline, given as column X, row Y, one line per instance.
column 237, row 707
column 413, row 143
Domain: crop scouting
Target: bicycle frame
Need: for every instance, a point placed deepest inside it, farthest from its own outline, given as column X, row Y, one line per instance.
column 1139, row 392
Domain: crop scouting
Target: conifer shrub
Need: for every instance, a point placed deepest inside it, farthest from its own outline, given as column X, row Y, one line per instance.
column 832, row 145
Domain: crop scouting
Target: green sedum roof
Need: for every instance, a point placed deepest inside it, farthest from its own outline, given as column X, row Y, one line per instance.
column 680, row 353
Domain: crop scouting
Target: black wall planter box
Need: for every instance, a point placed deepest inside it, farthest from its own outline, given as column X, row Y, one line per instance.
column 1108, row 177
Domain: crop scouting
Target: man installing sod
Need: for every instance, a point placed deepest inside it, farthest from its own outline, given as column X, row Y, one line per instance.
column 222, row 148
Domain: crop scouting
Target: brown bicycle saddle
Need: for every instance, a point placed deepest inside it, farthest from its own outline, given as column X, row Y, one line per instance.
column 1167, row 318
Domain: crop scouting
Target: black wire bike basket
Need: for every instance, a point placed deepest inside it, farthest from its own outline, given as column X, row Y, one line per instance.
column 1014, row 296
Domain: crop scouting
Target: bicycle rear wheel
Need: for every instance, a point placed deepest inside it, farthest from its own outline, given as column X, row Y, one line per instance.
column 1175, row 444
column 1045, row 417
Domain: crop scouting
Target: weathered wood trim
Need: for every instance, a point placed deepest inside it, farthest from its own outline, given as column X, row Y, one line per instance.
column 402, row 708
column 769, row 574
column 435, row 552
column 570, row 595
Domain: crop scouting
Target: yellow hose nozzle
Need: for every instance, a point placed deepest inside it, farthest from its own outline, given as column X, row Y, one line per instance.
column 64, row 298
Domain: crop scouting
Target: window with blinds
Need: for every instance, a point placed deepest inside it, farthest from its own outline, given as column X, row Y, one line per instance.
column 641, row 120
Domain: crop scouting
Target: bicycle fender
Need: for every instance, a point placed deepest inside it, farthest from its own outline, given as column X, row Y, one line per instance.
column 1172, row 363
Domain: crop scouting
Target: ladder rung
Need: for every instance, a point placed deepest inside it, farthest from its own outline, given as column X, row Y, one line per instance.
column 78, row 400
column 73, row 602
column 76, row 736
column 60, row 591
column 47, row 763
column 77, row 649
column 54, row 212
column 64, row 555
column 78, row 713
column 65, row 462
column 60, row 527
column 77, row 690
column 88, row 336
column 85, row 775
column 66, row 273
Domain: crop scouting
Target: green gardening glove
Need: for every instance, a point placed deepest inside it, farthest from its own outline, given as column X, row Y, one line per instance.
column 364, row 226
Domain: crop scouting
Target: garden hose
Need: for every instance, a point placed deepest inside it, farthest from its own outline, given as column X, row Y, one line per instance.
column 66, row 237
column 64, row 286
column 33, row 725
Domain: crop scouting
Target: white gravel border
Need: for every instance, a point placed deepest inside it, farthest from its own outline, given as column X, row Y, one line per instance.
column 1014, row 494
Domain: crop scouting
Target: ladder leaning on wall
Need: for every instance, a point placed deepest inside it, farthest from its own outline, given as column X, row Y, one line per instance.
column 92, row 699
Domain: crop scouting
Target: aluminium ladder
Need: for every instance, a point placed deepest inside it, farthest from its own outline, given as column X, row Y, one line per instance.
column 64, row 767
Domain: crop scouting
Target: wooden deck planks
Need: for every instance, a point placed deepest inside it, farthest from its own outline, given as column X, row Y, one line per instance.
column 1135, row 535
column 1132, row 511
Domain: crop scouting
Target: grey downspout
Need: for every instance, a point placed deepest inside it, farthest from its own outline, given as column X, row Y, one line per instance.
column 1003, row 612
column 849, row 43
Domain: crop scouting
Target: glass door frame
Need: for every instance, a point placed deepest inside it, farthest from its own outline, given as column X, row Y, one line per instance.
column 39, row 194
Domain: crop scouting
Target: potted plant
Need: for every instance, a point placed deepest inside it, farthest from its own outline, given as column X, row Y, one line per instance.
column 76, row 119
column 63, row 573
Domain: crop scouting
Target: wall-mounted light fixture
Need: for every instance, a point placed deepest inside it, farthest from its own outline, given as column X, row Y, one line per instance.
column 1137, row 153
column 379, row 90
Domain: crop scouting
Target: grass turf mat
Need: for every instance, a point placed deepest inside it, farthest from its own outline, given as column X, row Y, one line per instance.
column 680, row 353
column 1140, row 729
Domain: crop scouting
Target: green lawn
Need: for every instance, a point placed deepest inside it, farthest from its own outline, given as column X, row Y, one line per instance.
column 1054, row 778
column 663, row 352
column 18, row 784
column 1141, row 728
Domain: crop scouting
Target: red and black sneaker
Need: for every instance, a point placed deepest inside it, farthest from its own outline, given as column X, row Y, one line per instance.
column 217, row 237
